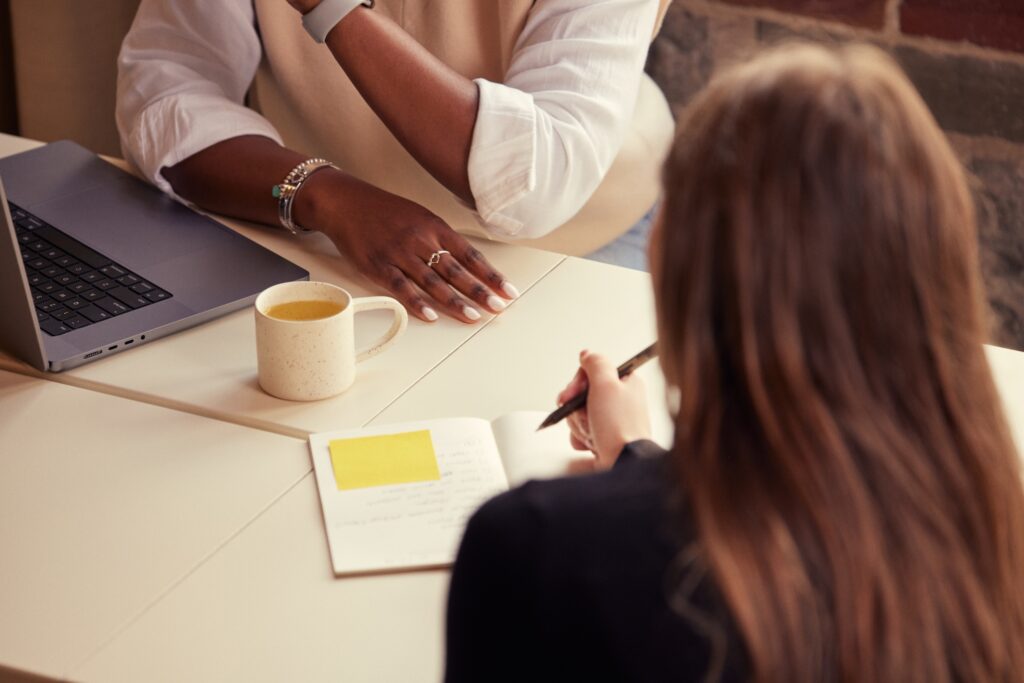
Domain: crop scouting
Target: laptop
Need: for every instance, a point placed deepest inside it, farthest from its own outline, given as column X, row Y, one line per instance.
column 94, row 261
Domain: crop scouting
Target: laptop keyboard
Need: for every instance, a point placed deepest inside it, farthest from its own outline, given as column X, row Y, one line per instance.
column 73, row 285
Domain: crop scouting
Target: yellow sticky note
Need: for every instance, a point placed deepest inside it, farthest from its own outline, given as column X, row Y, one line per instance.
column 382, row 460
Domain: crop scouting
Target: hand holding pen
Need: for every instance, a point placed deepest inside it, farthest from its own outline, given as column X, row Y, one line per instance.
column 605, row 406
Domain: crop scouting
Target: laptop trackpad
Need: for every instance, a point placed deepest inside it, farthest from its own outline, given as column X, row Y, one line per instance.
column 128, row 222
column 202, row 263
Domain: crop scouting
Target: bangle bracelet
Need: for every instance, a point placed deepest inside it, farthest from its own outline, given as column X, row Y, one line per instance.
column 286, row 191
column 319, row 21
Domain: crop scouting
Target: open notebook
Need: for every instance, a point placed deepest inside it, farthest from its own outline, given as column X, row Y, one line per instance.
column 399, row 496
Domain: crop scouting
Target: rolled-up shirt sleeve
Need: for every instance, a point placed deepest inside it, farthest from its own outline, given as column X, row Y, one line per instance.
column 183, row 73
column 545, row 138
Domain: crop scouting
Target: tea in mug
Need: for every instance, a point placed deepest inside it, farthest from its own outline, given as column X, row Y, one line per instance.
column 305, row 310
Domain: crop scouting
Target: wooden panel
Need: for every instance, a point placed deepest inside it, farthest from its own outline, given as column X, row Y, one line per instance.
column 65, row 61
column 8, row 106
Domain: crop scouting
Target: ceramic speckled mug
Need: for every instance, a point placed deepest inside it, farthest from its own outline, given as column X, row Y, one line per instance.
column 314, row 358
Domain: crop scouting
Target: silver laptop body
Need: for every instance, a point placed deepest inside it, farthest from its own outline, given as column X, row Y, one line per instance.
column 179, row 268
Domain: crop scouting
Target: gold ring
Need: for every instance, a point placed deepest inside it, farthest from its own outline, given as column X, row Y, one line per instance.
column 435, row 258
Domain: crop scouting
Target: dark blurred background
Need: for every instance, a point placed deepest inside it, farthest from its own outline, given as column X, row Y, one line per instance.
column 966, row 57
column 57, row 71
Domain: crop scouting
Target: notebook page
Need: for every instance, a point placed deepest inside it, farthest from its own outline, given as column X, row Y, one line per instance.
column 420, row 524
column 529, row 454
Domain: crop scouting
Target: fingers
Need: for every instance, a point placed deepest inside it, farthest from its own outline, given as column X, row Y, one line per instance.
column 579, row 431
column 577, row 444
column 599, row 369
column 450, row 285
column 580, row 425
column 391, row 240
column 575, row 387
column 409, row 282
column 458, row 277
column 448, row 300
column 402, row 288
column 478, row 265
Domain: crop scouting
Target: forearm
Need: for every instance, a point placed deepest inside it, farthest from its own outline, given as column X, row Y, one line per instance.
column 430, row 108
column 235, row 178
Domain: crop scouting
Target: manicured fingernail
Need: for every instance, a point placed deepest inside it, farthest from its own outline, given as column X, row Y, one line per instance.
column 510, row 290
column 495, row 304
column 471, row 313
column 429, row 313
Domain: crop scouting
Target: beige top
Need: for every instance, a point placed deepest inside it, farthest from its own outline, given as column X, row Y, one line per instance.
column 302, row 91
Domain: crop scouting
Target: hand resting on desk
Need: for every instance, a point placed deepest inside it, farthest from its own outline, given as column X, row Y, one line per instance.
column 388, row 238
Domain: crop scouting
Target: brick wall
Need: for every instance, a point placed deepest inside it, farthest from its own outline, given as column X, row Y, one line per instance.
column 965, row 56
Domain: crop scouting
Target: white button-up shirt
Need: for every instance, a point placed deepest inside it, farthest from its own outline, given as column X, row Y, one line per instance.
column 543, row 141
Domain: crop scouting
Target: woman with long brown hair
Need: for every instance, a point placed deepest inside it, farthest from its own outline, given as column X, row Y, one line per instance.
column 842, row 500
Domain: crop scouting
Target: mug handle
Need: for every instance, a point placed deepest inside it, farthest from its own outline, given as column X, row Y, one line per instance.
column 372, row 303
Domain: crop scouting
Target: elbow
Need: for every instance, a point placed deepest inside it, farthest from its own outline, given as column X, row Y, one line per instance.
column 559, row 188
column 541, row 168
column 541, row 215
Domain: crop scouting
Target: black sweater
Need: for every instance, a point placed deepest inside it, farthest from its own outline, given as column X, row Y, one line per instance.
column 586, row 579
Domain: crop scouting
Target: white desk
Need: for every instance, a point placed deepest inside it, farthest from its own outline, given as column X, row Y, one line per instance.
column 1008, row 371
column 267, row 608
column 525, row 357
column 393, row 622
column 211, row 370
column 519, row 361
column 105, row 504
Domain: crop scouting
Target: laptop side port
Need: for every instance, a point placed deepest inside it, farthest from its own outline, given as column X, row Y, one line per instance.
column 92, row 355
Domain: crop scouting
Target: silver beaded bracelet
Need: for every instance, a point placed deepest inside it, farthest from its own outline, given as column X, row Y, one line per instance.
column 286, row 191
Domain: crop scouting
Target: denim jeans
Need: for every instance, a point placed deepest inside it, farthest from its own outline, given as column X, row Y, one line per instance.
column 630, row 249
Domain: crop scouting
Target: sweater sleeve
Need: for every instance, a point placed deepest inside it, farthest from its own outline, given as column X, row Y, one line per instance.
column 183, row 72
column 492, row 599
column 641, row 448
column 546, row 136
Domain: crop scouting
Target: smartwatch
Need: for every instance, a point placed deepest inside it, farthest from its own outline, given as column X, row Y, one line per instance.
column 319, row 21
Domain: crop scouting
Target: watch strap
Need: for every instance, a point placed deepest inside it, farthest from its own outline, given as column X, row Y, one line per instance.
column 319, row 21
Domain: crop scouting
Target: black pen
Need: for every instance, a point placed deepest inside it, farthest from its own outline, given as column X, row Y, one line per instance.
column 580, row 400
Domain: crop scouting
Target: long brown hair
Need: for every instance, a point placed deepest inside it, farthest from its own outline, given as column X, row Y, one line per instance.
column 839, row 439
